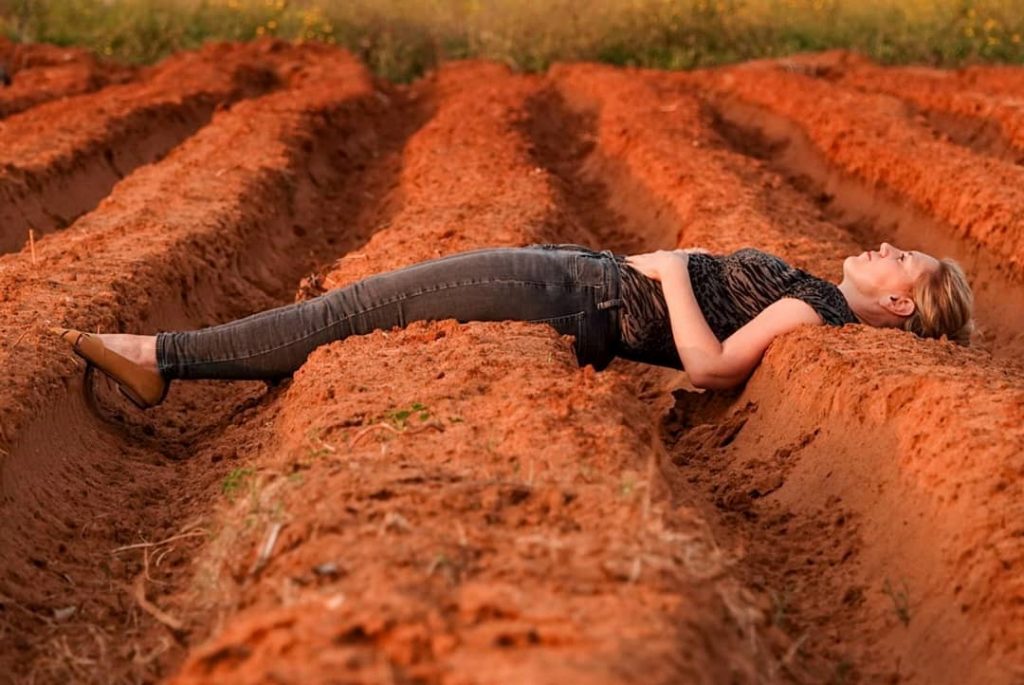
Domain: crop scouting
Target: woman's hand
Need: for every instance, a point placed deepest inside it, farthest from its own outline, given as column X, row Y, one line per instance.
column 655, row 264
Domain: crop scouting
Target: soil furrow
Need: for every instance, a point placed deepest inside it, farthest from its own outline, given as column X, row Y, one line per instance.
column 39, row 73
column 60, row 159
column 949, row 102
column 999, row 79
column 890, row 527
column 697, row 191
column 562, row 565
column 223, row 226
column 451, row 148
column 837, row 492
column 879, row 173
column 986, row 124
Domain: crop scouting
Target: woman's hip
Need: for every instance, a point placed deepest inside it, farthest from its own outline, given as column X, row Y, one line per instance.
column 572, row 288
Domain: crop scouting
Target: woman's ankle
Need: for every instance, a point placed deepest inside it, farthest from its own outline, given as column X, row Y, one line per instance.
column 147, row 352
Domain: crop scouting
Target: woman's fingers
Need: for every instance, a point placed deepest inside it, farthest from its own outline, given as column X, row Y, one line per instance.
column 645, row 264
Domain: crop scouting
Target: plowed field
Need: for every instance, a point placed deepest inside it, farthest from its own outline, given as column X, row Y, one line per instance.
column 461, row 503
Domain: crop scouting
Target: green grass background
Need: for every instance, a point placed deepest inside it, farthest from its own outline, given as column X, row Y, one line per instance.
column 399, row 39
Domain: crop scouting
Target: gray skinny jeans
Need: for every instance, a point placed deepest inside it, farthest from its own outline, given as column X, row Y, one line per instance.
column 571, row 287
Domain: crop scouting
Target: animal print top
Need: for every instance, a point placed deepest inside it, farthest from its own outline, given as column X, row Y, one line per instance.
column 730, row 289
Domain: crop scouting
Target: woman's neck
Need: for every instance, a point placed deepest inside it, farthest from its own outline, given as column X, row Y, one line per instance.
column 863, row 307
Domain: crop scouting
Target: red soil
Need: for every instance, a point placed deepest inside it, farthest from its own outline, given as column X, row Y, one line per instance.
column 63, row 157
column 988, row 124
column 848, row 516
column 39, row 72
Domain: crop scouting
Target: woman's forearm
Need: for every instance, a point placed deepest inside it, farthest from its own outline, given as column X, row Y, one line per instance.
column 698, row 347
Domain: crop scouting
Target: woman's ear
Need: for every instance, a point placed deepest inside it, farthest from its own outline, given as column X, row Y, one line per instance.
column 900, row 305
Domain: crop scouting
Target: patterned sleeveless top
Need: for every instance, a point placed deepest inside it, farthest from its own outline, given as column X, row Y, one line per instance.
column 730, row 289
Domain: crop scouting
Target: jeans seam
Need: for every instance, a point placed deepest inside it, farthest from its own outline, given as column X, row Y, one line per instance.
column 188, row 364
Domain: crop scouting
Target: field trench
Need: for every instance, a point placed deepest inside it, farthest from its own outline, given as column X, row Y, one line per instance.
column 972, row 107
column 52, row 174
column 283, row 197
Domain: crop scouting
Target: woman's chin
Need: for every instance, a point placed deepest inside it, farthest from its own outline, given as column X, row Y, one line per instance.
column 849, row 262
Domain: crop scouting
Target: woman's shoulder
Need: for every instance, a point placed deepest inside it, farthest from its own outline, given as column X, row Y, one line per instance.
column 824, row 297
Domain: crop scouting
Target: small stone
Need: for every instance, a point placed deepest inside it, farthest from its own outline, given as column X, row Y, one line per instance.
column 65, row 613
column 327, row 570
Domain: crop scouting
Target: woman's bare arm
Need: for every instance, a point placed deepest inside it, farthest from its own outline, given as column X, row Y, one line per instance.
column 708, row 362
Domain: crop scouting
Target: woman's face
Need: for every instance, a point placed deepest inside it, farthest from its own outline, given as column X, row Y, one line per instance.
column 888, row 270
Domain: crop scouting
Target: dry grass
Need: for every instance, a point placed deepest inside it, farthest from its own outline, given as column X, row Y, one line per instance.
column 401, row 38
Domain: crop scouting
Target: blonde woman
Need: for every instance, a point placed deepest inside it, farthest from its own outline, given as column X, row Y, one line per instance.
column 710, row 315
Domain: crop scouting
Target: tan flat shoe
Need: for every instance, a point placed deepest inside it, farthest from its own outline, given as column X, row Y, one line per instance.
column 145, row 388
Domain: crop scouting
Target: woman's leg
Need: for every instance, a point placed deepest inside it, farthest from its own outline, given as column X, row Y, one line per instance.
column 570, row 287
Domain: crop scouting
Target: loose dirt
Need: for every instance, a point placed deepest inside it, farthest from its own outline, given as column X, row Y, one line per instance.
column 461, row 503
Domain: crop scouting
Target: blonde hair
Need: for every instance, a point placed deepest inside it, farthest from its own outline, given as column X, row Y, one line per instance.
column 944, row 305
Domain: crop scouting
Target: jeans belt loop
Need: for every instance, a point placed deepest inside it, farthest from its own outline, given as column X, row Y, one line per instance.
column 615, row 301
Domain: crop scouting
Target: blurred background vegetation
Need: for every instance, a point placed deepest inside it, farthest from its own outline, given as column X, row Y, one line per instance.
column 399, row 39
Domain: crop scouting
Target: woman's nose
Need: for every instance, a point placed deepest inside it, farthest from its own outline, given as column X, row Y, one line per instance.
column 885, row 249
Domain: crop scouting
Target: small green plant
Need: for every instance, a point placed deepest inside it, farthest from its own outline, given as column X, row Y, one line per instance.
column 900, row 600
column 399, row 417
column 234, row 481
